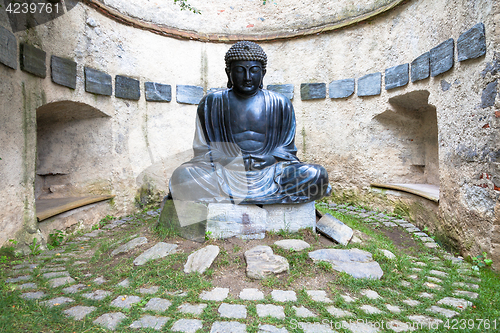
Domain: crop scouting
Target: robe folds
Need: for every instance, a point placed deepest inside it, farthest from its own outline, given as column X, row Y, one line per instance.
column 217, row 173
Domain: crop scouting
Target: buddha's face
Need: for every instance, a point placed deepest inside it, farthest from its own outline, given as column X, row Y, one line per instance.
column 246, row 77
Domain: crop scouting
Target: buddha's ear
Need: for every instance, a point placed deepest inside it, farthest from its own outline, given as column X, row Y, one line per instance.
column 229, row 82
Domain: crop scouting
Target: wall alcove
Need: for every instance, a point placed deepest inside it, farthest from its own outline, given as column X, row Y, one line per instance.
column 73, row 165
column 414, row 121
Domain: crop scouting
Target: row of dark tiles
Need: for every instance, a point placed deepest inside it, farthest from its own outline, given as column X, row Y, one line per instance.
column 440, row 59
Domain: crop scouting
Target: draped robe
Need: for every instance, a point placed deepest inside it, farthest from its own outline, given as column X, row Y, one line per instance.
column 208, row 177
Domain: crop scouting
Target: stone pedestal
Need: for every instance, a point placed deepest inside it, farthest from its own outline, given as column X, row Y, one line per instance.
column 195, row 221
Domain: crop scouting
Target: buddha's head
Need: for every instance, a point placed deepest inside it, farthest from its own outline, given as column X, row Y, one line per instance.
column 245, row 67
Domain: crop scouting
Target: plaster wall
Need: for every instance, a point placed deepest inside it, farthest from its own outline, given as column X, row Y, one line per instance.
column 144, row 141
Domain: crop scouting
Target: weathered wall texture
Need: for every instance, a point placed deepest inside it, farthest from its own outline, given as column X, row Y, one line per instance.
column 441, row 130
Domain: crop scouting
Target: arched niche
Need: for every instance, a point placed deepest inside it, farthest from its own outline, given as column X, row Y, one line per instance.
column 74, row 156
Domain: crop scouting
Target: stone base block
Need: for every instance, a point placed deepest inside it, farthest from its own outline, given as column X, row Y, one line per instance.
column 251, row 221
column 291, row 218
column 243, row 221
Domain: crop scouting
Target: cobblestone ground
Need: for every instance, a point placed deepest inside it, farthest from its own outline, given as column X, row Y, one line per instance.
column 424, row 297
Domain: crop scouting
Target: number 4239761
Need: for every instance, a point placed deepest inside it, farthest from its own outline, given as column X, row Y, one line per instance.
column 461, row 324
column 33, row 7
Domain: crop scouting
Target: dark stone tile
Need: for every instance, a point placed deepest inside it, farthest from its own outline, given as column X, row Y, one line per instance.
column 127, row 88
column 370, row 85
column 396, row 76
column 489, row 94
column 8, row 48
column 472, row 43
column 341, row 88
column 63, row 71
column 420, row 67
column 445, row 85
column 33, row 60
column 442, row 57
column 97, row 82
column 284, row 89
column 157, row 92
column 310, row 91
column 189, row 94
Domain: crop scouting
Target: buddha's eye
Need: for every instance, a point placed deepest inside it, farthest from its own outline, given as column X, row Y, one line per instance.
column 255, row 69
column 239, row 69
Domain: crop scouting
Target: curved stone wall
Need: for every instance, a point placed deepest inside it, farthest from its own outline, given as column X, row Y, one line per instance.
column 360, row 139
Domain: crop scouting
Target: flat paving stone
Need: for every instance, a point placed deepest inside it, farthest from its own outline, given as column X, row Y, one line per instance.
column 125, row 283
column 261, row 262
column 389, row 224
column 431, row 245
column 153, row 322
column 318, row 296
column 125, row 301
column 228, row 327
column 97, row 295
column 457, row 303
column 355, row 262
column 79, row 312
column 157, row 304
column 276, row 311
column 434, row 279
column 393, row 308
column 284, row 295
column 33, row 295
column 158, row 251
column 187, row 325
column 25, row 266
column 388, row 254
column 217, row 294
column 370, row 309
column 444, row 312
column 432, row 285
column 195, row 309
column 271, row 329
column 55, row 274
column 19, row 279
column 130, row 245
column 406, row 283
column 237, row 311
column 303, row 312
column 251, row 294
column 338, row 313
column 58, row 282
column 426, row 321
column 110, row 320
column 465, row 285
column 99, row 280
column 27, row 286
column 57, row 301
column 200, row 260
column 370, row 294
column 315, row 327
column 348, row 298
column 469, row 294
column 292, row 244
column 359, row 327
column 74, row 288
column 438, row 273
column 149, row 291
column 426, row 295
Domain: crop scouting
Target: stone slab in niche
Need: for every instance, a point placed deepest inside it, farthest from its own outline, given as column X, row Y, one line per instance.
column 489, row 94
column 63, row 71
column 472, row 43
column 370, row 85
column 284, row 89
column 33, row 60
column 127, row 88
column 310, row 91
column 97, row 82
column 189, row 94
column 341, row 88
column 396, row 76
column 420, row 67
column 442, row 57
column 157, row 92
column 8, row 48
